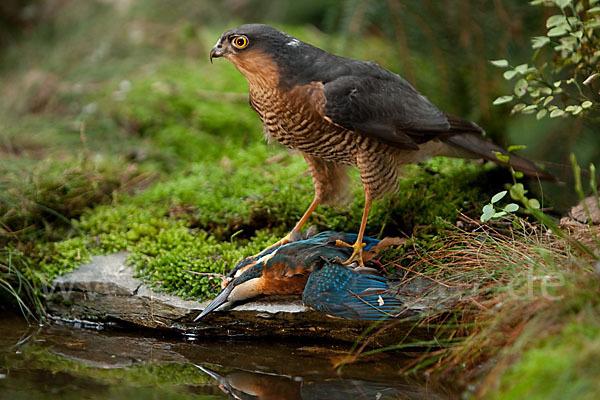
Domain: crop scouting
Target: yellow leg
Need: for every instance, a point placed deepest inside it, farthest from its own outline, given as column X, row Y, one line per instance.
column 287, row 238
column 357, row 254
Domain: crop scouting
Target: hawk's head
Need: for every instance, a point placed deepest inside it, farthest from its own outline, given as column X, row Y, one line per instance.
column 260, row 52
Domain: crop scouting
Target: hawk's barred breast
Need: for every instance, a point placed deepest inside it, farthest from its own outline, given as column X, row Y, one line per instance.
column 289, row 119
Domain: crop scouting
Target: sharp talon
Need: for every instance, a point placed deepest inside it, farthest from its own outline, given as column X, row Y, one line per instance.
column 357, row 255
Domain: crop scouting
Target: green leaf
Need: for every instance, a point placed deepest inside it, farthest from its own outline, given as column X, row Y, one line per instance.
column 511, row 207
column 556, row 20
column 499, row 214
column 521, row 87
column 488, row 213
column 521, row 68
column 529, row 109
column 533, row 203
column 498, row 196
column 577, row 34
column 541, row 114
column 501, row 157
column 518, row 174
column 548, row 100
column 508, row 75
column 518, row 107
column 517, row 191
column 593, row 10
column 586, row 104
column 562, row 3
column 557, row 113
column 574, row 21
column 539, row 41
column 556, row 31
column 502, row 100
column 515, row 147
column 592, row 23
column 499, row 63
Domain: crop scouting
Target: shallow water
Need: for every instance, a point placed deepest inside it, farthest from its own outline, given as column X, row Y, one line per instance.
column 63, row 361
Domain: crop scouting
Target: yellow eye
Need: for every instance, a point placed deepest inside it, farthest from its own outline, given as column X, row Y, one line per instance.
column 240, row 42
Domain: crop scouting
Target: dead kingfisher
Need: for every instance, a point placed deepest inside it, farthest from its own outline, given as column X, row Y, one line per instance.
column 313, row 267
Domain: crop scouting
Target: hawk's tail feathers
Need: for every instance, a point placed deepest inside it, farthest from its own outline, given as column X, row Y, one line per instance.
column 479, row 147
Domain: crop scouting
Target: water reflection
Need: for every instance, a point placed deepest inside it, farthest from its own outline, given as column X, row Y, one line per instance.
column 63, row 362
column 251, row 385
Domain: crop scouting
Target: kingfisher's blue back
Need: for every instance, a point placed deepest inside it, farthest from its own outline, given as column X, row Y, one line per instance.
column 340, row 291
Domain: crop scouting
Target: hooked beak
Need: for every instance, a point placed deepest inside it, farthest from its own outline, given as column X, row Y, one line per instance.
column 218, row 301
column 226, row 387
column 216, row 52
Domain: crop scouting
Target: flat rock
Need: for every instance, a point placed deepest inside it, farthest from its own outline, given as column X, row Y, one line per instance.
column 105, row 290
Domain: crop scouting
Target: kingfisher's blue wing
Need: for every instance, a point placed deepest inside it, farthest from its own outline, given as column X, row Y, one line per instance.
column 300, row 256
column 337, row 290
column 285, row 269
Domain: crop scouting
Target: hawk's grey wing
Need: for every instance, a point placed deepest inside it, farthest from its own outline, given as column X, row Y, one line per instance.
column 381, row 104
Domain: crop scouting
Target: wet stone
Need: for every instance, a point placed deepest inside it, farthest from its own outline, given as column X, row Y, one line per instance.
column 105, row 290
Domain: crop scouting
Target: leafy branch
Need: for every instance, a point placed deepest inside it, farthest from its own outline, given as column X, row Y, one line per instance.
column 564, row 84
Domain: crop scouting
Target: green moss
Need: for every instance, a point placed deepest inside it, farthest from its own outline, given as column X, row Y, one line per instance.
column 563, row 366
column 37, row 197
column 117, row 228
column 151, row 375
column 169, row 109
column 178, row 261
column 58, row 258
column 181, row 227
column 165, row 250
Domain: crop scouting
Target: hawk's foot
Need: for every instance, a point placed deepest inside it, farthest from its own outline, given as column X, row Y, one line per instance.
column 357, row 254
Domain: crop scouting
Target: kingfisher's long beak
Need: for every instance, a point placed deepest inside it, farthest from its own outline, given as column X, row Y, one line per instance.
column 221, row 299
column 216, row 52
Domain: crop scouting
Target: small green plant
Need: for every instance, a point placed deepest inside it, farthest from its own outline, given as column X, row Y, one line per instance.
column 563, row 83
column 517, row 192
column 491, row 212
column 532, row 206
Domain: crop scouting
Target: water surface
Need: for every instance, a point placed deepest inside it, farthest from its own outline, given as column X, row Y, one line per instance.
column 63, row 361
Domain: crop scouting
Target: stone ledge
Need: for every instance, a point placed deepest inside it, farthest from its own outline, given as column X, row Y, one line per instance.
column 105, row 290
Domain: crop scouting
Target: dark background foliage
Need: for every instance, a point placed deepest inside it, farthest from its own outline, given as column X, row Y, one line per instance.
column 442, row 48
